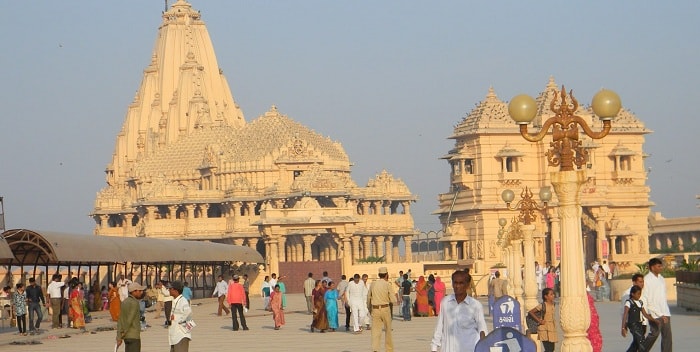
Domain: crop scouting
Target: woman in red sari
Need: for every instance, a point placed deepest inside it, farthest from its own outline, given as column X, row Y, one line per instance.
column 114, row 303
column 422, row 306
column 75, row 309
column 439, row 293
column 320, row 321
column 276, row 306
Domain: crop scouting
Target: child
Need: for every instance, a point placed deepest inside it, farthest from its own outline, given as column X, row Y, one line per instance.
column 633, row 317
column 547, row 331
column 19, row 300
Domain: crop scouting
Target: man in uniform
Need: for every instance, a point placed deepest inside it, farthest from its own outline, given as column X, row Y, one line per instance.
column 379, row 297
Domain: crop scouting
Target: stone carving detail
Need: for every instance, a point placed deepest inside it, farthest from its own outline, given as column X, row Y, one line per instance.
column 317, row 178
column 385, row 183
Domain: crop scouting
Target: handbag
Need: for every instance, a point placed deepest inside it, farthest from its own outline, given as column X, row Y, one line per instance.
column 532, row 324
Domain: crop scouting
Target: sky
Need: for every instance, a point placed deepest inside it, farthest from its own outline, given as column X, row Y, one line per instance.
column 387, row 79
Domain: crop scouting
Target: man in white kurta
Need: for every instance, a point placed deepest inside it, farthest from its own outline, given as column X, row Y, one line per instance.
column 461, row 321
column 355, row 294
column 179, row 335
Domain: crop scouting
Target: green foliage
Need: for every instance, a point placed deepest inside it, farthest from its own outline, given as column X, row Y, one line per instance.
column 372, row 260
column 642, row 268
column 690, row 266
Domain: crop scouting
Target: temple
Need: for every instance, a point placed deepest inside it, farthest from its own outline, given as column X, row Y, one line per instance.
column 490, row 156
column 187, row 165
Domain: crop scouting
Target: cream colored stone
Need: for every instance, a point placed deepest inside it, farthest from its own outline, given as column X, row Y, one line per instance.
column 490, row 156
column 186, row 165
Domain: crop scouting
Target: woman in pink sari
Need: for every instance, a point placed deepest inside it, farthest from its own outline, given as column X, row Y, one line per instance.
column 439, row 293
column 422, row 306
column 276, row 306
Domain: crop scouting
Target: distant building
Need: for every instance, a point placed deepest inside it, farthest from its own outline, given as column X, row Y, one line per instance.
column 187, row 165
column 490, row 155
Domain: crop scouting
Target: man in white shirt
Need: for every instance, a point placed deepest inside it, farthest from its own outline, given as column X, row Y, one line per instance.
column 123, row 287
column 273, row 280
column 53, row 291
column 461, row 323
column 355, row 296
column 220, row 292
column 655, row 303
column 539, row 275
column 309, row 285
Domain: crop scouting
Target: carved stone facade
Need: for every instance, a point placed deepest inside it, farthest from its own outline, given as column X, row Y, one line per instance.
column 191, row 167
column 490, row 156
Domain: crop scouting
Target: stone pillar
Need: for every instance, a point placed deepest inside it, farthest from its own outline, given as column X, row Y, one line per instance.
column 409, row 252
column 406, row 207
column 204, row 210
column 379, row 246
column 346, row 253
column 555, row 238
column 104, row 221
column 127, row 219
column 575, row 316
column 395, row 250
column 190, row 210
column 298, row 251
column 274, row 257
column 308, row 240
column 366, row 241
column 238, row 241
column 613, row 251
column 530, row 292
column 236, row 208
column 172, row 211
column 355, row 248
column 389, row 249
column 281, row 247
column 453, row 250
column 517, row 276
column 253, row 243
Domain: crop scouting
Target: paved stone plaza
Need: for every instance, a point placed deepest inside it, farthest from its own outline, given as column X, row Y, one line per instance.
column 213, row 332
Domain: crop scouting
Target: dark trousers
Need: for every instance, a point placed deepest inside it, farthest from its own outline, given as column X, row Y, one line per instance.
column 35, row 307
column 247, row 301
column 168, row 309
column 548, row 346
column 237, row 308
column 637, row 330
column 406, row 307
column 666, row 337
column 22, row 323
column 132, row 345
column 347, row 316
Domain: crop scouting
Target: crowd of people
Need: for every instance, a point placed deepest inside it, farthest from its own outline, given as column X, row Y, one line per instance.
column 645, row 311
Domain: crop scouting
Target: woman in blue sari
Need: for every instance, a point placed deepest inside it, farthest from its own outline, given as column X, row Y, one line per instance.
column 283, row 290
column 331, row 298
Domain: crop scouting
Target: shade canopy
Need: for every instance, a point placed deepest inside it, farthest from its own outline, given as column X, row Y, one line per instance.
column 29, row 247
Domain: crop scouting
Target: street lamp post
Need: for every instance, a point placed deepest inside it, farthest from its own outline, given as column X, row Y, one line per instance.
column 528, row 207
column 566, row 152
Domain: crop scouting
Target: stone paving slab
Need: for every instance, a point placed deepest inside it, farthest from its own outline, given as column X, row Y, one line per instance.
column 214, row 333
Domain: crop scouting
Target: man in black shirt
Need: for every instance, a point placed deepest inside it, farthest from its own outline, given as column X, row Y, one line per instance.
column 406, row 286
column 35, row 296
